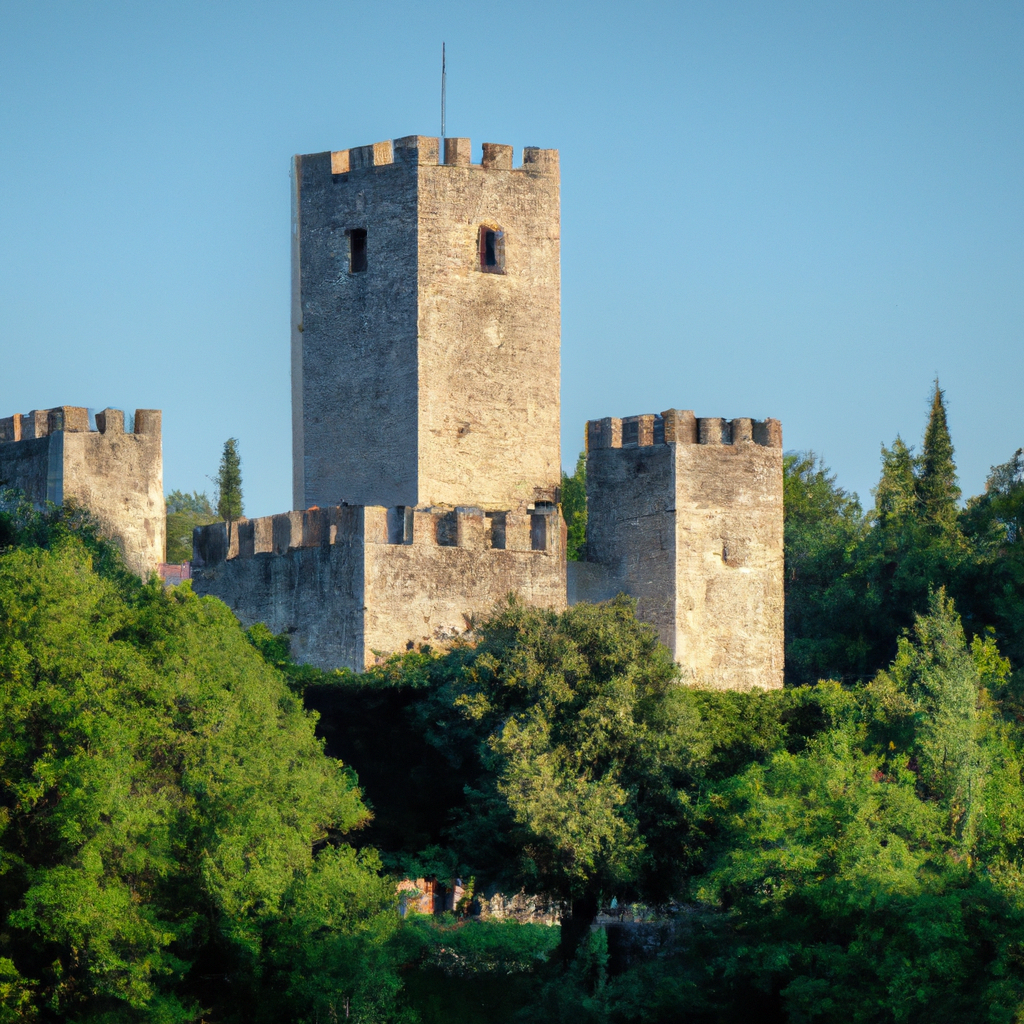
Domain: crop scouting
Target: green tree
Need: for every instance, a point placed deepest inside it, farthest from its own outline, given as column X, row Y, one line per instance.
column 993, row 585
column 574, row 509
column 184, row 513
column 824, row 526
column 869, row 873
column 168, row 817
column 853, row 582
column 229, row 483
column 937, row 489
column 575, row 738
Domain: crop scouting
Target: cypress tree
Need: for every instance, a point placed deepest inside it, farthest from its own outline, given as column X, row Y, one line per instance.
column 229, row 482
column 937, row 489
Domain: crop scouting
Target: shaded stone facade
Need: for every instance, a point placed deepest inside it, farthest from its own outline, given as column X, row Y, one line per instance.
column 350, row 584
column 685, row 515
column 56, row 455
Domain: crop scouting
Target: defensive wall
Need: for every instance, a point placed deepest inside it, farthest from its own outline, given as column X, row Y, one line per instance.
column 685, row 515
column 351, row 583
column 64, row 453
column 426, row 326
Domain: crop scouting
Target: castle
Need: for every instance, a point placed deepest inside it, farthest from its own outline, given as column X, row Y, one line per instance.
column 425, row 423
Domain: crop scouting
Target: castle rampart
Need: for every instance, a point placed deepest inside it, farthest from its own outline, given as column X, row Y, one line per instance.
column 56, row 454
column 352, row 582
column 685, row 515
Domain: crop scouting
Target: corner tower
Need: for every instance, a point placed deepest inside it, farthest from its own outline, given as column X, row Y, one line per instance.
column 685, row 515
column 425, row 327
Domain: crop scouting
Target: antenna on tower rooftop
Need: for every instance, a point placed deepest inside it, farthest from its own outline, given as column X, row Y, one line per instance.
column 442, row 89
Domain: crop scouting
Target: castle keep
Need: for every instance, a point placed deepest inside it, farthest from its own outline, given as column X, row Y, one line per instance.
column 58, row 454
column 425, row 327
column 426, row 462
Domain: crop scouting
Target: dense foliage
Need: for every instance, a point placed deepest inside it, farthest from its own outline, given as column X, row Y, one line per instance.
column 184, row 513
column 170, row 830
column 855, row 581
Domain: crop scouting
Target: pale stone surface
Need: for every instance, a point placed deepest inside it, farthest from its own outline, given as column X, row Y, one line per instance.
column 424, row 380
column 53, row 455
column 347, row 588
column 693, row 531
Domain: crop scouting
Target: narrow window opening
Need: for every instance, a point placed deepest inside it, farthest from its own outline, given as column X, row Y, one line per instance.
column 492, row 250
column 357, row 250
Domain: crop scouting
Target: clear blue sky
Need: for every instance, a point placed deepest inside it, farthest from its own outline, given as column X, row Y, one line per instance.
column 795, row 210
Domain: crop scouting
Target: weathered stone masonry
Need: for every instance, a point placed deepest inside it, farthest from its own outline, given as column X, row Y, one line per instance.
column 685, row 515
column 419, row 377
column 425, row 412
column 349, row 583
column 54, row 455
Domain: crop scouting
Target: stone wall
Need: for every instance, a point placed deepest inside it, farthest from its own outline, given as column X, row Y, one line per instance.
column 489, row 342
column 426, row 379
column 354, row 371
column 686, row 516
column 55, row 455
column 351, row 584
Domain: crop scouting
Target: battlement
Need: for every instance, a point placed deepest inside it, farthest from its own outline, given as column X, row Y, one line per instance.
column 74, row 420
column 675, row 426
column 419, row 150
column 351, row 583
column 467, row 528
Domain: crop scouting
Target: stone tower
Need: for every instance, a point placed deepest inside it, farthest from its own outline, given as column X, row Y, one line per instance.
column 57, row 454
column 425, row 327
column 685, row 515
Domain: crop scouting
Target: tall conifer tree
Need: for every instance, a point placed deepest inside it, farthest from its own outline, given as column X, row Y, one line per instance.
column 937, row 487
column 229, row 482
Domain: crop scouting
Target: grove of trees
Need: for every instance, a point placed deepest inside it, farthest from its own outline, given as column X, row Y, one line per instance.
column 194, row 828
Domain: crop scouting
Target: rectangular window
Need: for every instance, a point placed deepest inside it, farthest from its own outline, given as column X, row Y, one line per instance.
column 357, row 250
column 492, row 250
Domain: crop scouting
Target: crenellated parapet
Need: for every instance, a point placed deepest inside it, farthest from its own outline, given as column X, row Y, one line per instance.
column 351, row 583
column 74, row 419
column 470, row 529
column 426, row 150
column 69, row 452
column 676, row 426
